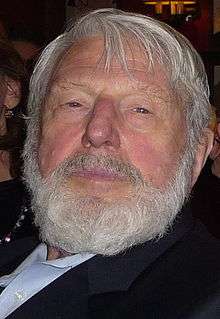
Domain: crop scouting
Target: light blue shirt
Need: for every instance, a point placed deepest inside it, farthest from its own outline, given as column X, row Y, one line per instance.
column 35, row 273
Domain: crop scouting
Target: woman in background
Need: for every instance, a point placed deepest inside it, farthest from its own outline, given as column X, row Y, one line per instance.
column 15, row 220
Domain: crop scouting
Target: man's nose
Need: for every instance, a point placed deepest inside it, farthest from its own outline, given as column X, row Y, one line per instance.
column 101, row 128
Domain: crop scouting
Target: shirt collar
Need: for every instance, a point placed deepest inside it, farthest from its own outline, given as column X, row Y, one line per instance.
column 39, row 255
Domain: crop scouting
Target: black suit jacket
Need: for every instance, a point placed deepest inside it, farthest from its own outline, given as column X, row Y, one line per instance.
column 177, row 277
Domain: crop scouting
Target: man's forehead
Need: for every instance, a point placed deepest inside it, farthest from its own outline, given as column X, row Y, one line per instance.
column 82, row 65
column 91, row 52
column 137, row 73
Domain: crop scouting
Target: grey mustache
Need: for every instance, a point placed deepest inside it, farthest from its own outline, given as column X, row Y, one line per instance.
column 106, row 163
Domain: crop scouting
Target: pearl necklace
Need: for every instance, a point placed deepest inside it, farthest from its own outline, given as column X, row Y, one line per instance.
column 20, row 221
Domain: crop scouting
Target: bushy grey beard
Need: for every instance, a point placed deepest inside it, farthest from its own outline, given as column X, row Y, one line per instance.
column 77, row 223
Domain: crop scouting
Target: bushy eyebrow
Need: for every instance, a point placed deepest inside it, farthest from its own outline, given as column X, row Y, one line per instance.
column 69, row 85
column 157, row 92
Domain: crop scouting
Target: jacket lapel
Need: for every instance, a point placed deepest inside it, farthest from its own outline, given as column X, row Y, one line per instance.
column 67, row 295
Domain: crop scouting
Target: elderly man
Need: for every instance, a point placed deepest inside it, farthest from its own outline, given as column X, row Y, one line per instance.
column 118, row 133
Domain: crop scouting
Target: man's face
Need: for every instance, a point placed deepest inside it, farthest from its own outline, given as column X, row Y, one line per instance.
column 132, row 118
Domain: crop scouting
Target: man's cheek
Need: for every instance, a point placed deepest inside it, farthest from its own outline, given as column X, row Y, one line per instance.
column 54, row 150
column 154, row 163
column 47, row 161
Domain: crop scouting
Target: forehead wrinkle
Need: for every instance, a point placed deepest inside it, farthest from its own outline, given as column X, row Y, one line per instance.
column 69, row 85
column 84, row 80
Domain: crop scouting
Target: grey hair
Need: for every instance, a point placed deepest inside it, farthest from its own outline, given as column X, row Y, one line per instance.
column 162, row 45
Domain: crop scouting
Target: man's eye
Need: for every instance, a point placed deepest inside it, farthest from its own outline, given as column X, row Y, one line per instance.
column 74, row 104
column 141, row 110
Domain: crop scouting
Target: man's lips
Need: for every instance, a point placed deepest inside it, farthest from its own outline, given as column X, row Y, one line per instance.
column 99, row 174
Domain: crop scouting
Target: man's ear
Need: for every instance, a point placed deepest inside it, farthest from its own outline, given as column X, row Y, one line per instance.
column 203, row 150
column 216, row 146
column 13, row 93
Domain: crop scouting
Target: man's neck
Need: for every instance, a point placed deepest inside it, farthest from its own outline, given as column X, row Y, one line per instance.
column 55, row 253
